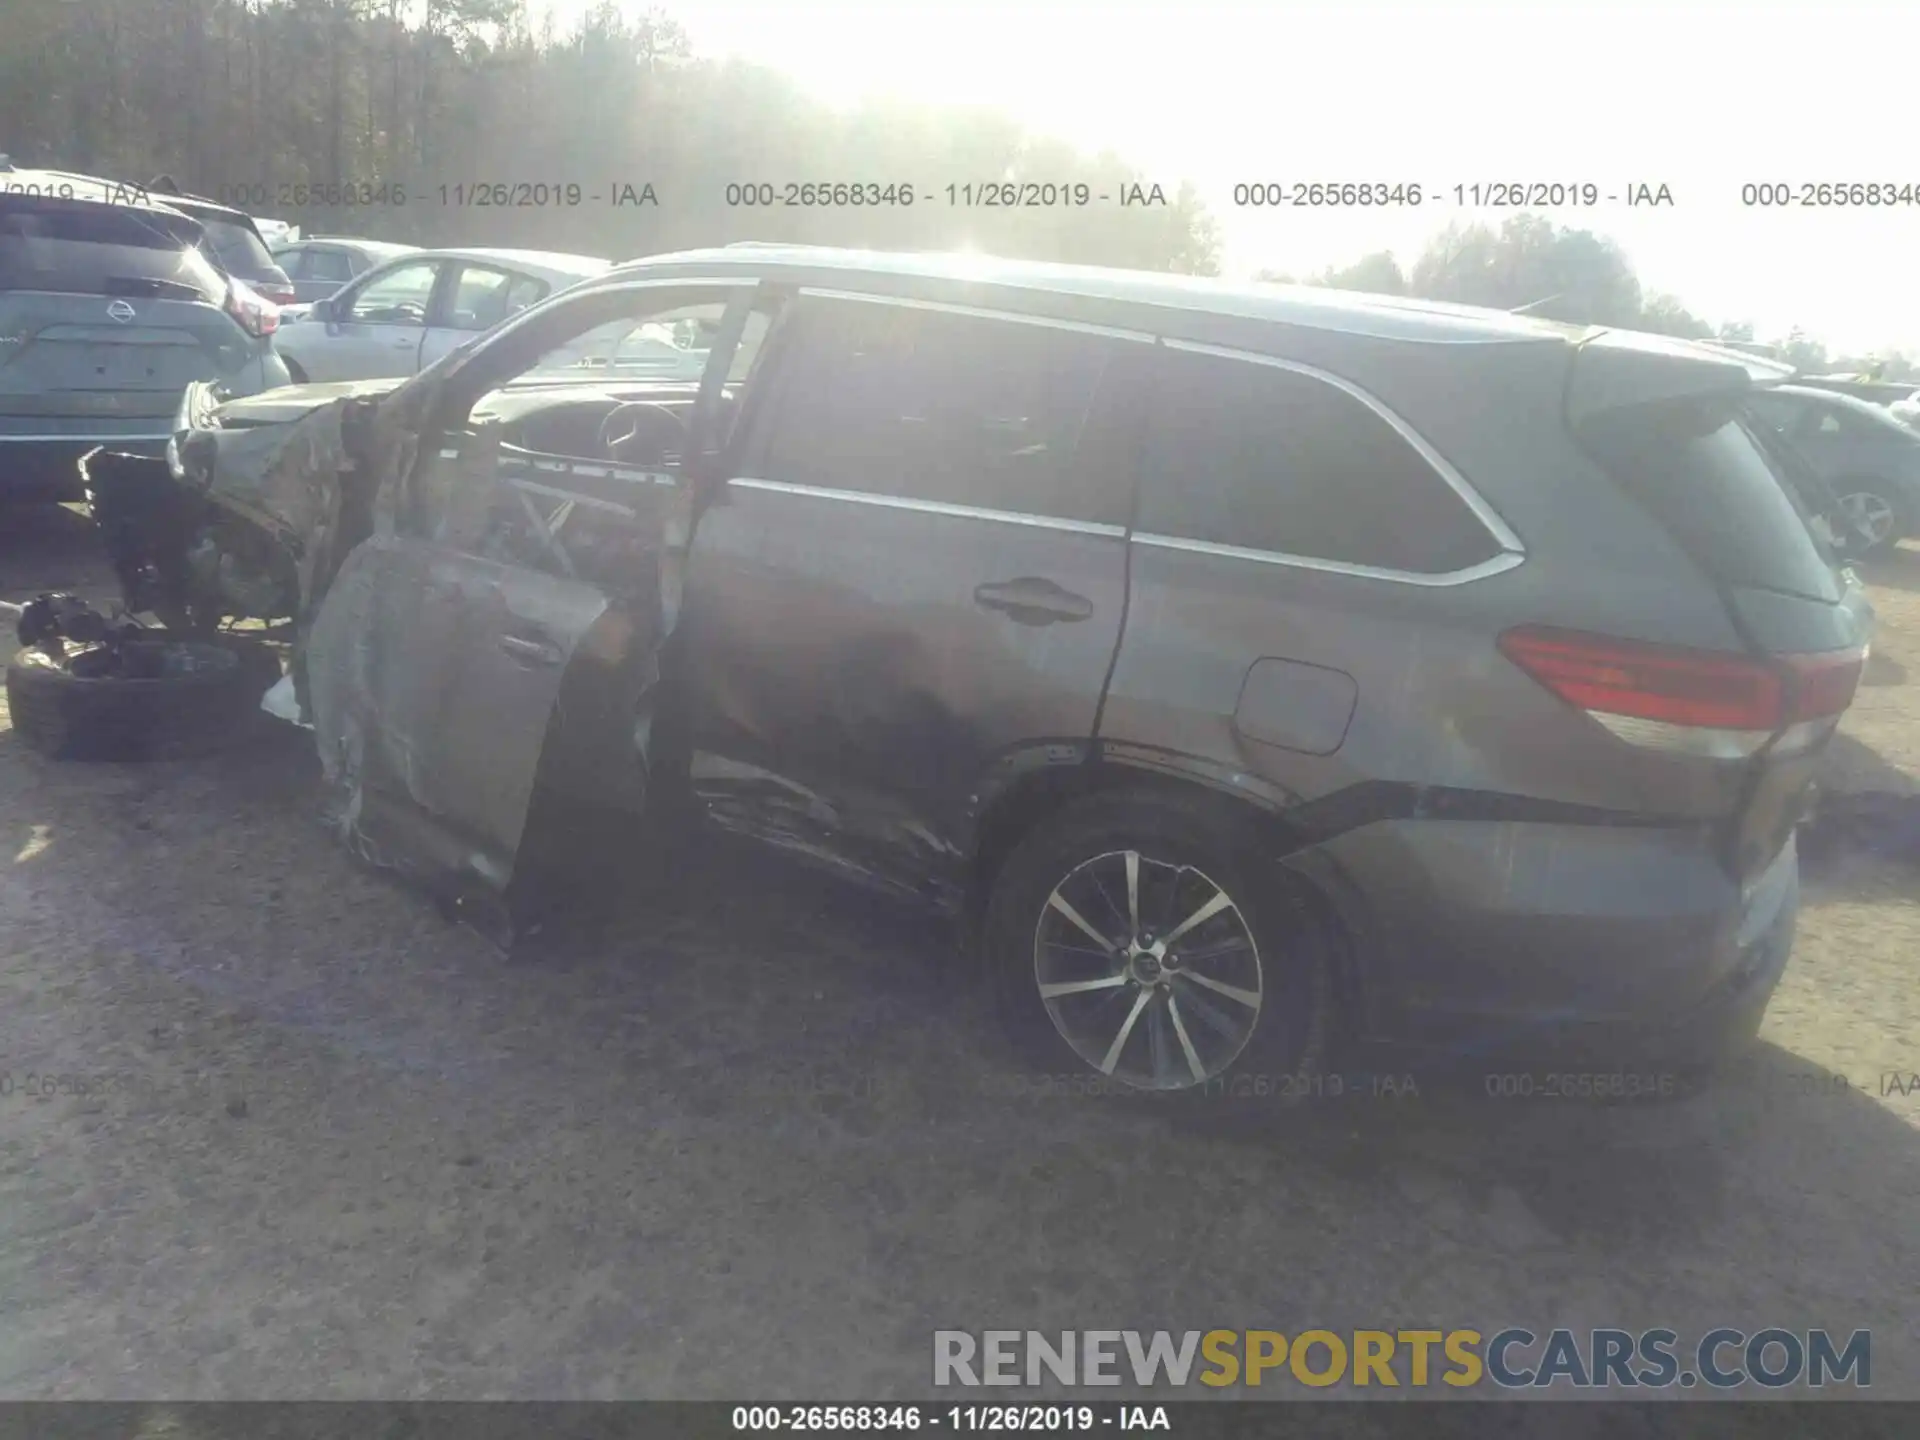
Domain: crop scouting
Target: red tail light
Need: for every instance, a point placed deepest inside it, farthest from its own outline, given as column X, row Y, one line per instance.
column 1650, row 682
column 256, row 314
column 1697, row 701
column 1823, row 686
column 277, row 293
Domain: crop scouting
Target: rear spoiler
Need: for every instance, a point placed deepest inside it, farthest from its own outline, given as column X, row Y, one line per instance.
column 1618, row 369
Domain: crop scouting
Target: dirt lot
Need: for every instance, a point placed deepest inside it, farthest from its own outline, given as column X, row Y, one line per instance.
column 736, row 1133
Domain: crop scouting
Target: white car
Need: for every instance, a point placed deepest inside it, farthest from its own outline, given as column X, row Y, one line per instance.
column 276, row 232
column 400, row 317
column 1907, row 411
column 324, row 265
column 673, row 348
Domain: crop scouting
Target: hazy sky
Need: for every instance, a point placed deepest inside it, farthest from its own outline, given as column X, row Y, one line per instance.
column 1702, row 99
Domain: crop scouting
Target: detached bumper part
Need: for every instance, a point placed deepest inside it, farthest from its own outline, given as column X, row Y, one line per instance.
column 283, row 703
column 48, row 470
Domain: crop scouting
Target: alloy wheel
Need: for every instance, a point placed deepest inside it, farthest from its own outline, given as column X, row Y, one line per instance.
column 1870, row 514
column 1148, row 970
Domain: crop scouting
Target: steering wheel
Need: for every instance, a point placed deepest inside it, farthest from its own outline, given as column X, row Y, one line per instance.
column 646, row 425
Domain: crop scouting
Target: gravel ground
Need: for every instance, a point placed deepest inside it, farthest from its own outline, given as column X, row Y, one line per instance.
column 735, row 1132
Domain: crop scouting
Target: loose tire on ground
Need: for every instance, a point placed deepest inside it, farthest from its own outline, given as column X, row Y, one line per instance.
column 189, row 697
column 1183, row 847
column 259, row 660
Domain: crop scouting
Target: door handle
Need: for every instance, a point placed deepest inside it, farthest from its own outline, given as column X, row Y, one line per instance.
column 532, row 652
column 405, row 344
column 1033, row 600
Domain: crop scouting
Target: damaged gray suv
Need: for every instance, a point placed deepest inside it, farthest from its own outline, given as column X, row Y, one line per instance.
column 1250, row 668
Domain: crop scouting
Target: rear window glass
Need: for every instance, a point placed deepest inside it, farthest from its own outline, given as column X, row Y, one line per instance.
column 236, row 249
column 1711, row 482
column 82, row 249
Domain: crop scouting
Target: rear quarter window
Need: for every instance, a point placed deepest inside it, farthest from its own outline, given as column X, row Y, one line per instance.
column 1710, row 481
column 1261, row 457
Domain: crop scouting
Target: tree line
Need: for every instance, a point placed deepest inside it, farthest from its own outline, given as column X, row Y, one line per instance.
column 611, row 138
column 413, row 120
column 1561, row 273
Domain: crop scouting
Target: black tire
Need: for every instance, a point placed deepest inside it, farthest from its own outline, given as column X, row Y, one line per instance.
column 258, row 660
column 1183, row 842
column 295, row 374
column 193, row 697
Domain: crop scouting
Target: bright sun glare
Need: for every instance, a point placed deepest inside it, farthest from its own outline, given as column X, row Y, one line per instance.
column 1222, row 95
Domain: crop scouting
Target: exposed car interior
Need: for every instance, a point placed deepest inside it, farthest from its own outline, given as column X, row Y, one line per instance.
column 621, row 393
column 624, row 425
column 638, row 425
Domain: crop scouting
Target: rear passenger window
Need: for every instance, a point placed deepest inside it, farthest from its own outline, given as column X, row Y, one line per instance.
column 1262, row 458
column 928, row 405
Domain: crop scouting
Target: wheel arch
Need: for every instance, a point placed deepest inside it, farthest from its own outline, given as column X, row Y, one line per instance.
column 1029, row 788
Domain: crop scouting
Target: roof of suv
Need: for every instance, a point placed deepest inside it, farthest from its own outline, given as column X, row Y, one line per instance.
column 120, row 192
column 1386, row 317
column 1294, row 304
column 65, row 185
column 197, row 207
